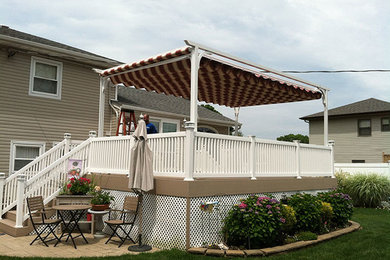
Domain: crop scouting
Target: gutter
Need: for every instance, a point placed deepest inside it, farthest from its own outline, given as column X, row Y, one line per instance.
column 59, row 50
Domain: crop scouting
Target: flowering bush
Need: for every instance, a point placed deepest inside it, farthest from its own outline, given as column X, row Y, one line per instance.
column 101, row 197
column 77, row 186
column 341, row 206
column 288, row 214
column 254, row 223
column 307, row 211
column 326, row 216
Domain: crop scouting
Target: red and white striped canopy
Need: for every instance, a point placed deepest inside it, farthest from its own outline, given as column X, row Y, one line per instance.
column 219, row 82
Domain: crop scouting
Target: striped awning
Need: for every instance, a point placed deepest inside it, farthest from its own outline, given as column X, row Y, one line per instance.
column 219, row 82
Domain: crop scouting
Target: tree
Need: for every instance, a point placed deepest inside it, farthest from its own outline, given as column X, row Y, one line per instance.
column 210, row 107
column 291, row 137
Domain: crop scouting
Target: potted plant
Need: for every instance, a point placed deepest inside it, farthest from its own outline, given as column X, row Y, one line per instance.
column 77, row 186
column 101, row 199
column 75, row 191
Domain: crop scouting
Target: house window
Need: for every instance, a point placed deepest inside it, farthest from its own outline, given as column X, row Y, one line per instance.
column 385, row 124
column 169, row 127
column 45, row 78
column 358, row 161
column 24, row 152
column 207, row 129
column 165, row 125
column 364, row 126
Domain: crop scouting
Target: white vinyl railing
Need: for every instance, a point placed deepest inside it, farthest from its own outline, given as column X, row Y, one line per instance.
column 275, row 158
column 221, row 155
column 214, row 155
column 29, row 171
column 110, row 154
column 316, row 160
column 168, row 153
column 49, row 182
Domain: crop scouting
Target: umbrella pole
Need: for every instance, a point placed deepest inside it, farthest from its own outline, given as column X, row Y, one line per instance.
column 140, row 247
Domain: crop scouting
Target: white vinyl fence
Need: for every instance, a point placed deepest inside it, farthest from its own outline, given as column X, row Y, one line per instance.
column 366, row 168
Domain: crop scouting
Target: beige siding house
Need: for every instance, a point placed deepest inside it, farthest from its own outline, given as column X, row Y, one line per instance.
column 166, row 112
column 361, row 131
column 46, row 89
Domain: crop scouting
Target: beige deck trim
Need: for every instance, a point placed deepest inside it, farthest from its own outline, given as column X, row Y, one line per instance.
column 220, row 186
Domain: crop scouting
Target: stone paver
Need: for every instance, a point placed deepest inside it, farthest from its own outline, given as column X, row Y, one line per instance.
column 20, row 246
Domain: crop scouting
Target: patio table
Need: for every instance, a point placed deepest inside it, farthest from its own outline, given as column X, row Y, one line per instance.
column 75, row 212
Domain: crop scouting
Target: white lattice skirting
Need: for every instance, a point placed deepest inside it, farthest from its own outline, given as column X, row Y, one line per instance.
column 165, row 217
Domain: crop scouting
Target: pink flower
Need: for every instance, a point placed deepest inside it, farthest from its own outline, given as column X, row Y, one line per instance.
column 282, row 220
column 242, row 205
column 270, row 212
column 69, row 185
column 268, row 207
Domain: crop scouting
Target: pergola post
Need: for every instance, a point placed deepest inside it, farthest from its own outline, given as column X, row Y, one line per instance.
column 325, row 103
column 194, row 87
column 236, row 113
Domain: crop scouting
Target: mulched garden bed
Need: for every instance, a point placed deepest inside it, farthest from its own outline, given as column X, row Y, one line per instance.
column 277, row 249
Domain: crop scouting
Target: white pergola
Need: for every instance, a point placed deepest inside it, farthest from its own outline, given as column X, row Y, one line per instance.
column 200, row 73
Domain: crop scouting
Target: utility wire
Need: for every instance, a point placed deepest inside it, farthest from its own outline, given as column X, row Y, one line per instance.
column 333, row 71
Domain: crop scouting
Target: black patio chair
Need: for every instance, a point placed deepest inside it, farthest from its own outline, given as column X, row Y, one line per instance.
column 127, row 218
column 41, row 223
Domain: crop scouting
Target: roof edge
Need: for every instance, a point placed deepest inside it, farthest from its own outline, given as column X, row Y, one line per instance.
column 215, row 121
column 342, row 115
column 57, row 49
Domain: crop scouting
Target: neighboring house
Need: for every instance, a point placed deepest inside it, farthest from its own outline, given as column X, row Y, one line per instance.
column 46, row 89
column 361, row 131
column 167, row 113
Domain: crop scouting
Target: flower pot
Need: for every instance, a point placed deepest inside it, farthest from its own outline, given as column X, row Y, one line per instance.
column 100, row 207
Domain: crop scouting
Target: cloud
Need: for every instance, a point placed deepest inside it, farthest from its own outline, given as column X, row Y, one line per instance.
column 286, row 35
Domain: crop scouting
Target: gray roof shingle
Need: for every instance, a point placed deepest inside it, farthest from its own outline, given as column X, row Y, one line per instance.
column 370, row 105
column 164, row 103
column 6, row 31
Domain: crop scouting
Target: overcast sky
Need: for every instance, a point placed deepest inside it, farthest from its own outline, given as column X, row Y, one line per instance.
column 284, row 35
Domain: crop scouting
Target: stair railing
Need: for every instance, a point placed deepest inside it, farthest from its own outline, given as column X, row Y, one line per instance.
column 9, row 185
column 48, row 182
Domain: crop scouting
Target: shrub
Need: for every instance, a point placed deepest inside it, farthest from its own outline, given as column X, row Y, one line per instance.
column 341, row 178
column 307, row 211
column 367, row 190
column 306, row 235
column 288, row 214
column 341, row 206
column 254, row 223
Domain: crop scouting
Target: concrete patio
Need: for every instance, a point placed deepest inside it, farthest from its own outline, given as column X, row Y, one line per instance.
column 20, row 247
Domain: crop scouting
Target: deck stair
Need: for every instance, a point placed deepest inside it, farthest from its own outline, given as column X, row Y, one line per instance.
column 43, row 176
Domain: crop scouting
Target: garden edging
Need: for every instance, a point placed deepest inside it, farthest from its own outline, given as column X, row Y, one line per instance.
column 277, row 249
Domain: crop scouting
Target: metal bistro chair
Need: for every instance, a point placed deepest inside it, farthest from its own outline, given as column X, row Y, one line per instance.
column 39, row 218
column 130, row 207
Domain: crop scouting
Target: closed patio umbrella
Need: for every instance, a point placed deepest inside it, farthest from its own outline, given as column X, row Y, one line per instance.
column 141, row 174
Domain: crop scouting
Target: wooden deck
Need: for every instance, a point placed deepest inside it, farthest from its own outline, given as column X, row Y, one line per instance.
column 20, row 247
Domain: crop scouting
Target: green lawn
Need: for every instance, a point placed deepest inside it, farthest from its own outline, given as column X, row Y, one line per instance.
column 373, row 242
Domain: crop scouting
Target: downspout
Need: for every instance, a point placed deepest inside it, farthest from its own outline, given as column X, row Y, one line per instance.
column 102, row 99
column 325, row 103
column 116, row 110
